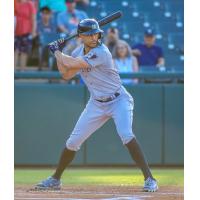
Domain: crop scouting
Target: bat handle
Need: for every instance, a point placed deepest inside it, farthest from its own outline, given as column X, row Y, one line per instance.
column 70, row 37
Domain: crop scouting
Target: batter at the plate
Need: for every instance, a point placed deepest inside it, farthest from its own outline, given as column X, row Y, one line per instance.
column 108, row 99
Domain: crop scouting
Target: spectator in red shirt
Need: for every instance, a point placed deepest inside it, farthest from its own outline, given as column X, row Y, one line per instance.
column 25, row 30
column 14, row 14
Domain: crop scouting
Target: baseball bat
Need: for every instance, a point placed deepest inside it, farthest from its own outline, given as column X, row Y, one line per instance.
column 101, row 22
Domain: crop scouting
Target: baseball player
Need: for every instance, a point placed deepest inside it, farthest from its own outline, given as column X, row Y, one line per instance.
column 108, row 99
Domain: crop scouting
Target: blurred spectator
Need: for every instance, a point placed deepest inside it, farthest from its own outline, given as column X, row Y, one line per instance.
column 54, row 5
column 124, row 60
column 147, row 53
column 45, row 21
column 82, row 4
column 67, row 21
column 36, row 3
column 46, row 28
column 111, row 38
column 25, row 31
column 15, row 20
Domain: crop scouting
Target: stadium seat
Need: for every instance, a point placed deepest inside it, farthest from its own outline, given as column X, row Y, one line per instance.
column 174, row 61
column 177, row 38
column 165, row 16
column 168, row 27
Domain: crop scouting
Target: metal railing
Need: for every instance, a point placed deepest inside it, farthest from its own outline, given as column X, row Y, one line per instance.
column 141, row 75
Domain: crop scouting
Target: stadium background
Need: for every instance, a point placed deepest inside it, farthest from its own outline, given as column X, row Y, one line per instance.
column 46, row 112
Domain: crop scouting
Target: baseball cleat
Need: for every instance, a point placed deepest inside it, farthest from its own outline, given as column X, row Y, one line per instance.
column 150, row 185
column 49, row 184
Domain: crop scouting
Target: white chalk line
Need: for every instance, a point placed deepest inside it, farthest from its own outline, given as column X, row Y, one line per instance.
column 113, row 196
column 117, row 198
column 37, row 196
column 92, row 193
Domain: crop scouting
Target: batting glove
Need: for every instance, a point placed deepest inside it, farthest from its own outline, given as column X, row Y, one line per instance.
column 57, row 45
column 53, row 46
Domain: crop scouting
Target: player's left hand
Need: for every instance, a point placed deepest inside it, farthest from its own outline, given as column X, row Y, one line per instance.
column 56, row 45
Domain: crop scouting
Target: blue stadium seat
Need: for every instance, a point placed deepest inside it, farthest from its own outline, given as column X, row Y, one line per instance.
column 165, row 16
column 168, row 28
column 174, row 61
column 174, row 6
column 135, row 27
column 177, row 38
column 143, row 6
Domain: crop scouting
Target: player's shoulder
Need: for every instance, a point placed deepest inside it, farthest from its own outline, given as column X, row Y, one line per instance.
column 102, row 49
column 102, row 46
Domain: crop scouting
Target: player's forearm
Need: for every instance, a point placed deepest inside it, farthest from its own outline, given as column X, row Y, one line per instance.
column 61, row 68
column 65, row 72
column 70, row 74
column 70, row 62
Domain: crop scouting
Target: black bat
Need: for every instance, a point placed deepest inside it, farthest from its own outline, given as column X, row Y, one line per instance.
column 101, row 22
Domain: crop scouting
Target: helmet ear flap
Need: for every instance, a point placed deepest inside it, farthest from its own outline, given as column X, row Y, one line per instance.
column 100, row 35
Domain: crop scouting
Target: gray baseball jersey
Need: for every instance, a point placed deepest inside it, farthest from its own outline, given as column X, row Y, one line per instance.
column 103, row 81
column 102, row 77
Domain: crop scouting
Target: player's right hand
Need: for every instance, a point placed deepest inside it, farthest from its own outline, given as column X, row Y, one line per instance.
column 54, row 46
column 61, row 41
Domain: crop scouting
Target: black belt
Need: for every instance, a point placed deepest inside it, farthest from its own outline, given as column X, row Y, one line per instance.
column 109, row 98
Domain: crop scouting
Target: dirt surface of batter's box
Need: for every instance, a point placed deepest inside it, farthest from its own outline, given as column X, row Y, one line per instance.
column 88, row 192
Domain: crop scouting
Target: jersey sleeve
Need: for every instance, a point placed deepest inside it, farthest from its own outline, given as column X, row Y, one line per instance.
column 74, row 53
column 96, row 57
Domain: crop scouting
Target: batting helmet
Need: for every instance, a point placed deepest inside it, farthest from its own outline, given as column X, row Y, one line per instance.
column 89, row 27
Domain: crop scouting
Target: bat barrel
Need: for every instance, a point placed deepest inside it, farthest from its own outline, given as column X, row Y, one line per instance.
column 101, row 22
column 110, row 18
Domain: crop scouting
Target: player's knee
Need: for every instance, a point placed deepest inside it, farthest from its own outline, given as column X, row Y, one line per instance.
column 72, row 145
column 127, row 138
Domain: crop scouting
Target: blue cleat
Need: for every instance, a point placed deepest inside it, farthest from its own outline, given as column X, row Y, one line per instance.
column 49, row 184
column 150, row 185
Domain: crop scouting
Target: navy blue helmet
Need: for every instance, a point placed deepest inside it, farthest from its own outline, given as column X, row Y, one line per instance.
column 89, row 27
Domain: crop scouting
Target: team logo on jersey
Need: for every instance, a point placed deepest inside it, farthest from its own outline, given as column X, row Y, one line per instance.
column 91, row 55
column 86, row 69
